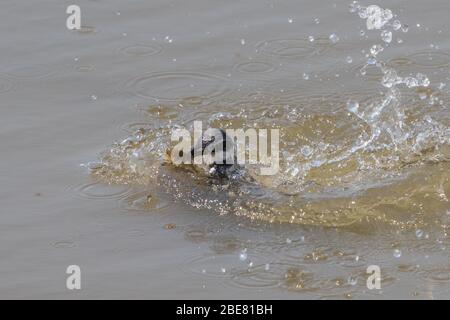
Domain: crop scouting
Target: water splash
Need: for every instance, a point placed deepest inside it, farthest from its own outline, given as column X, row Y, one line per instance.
column 347, row 157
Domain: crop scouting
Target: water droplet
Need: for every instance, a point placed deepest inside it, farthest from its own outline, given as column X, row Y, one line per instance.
column 223, row 270
column 168, row 39
column 290, row 20
column 405, row 28
column 386, row 36
column 419, row 233
column 243, row 255
column 352, row 280
column 355, row 7
column 422, row 80
column 118, row 13
column 371, row 61
column 94, row 97
column 396, row 25
column 376, row 49
column 311, row 39
column 399, row 40
column 243, row 41
column 267, row 267
column 306, row 76
column 397, row 253
column 334, row 38
column 352, row 106
column 349, row 59
column 317, row 20
column 288, row 241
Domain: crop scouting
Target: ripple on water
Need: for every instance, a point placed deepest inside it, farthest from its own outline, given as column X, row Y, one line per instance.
column 64, row 244
column 293, row 48
column 438, row 275
column 30, row 72
column 255, row 67
column 141, row 50
column 100, row 191
column 214, row 266
column 142, row 201
column 173, row 86
column 430, row 59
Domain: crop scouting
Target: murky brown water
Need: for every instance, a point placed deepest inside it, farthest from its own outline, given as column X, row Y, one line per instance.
column 364, row 168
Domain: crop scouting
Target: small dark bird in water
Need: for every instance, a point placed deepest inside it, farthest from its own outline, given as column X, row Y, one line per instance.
column 227, row 158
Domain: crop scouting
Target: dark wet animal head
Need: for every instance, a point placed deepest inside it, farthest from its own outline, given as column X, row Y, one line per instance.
column 220, row 142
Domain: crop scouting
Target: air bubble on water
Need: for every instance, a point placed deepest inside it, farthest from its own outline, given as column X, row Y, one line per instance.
column 334, row 38
column 118, row 13
column 168, row 39
column 386, row 36
column 399, row 40
column 405, row 28
column 362, row 33
column 311, row 38
column 290, row 20
column 419, row 233
column 250, row 264
column 243, row 255
column 397, row 253
column 441, row 86
column 317, row 20
column 306, row 76
column 349, row 59
column 94, row 97
column 242, row 41
column 223, row 270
